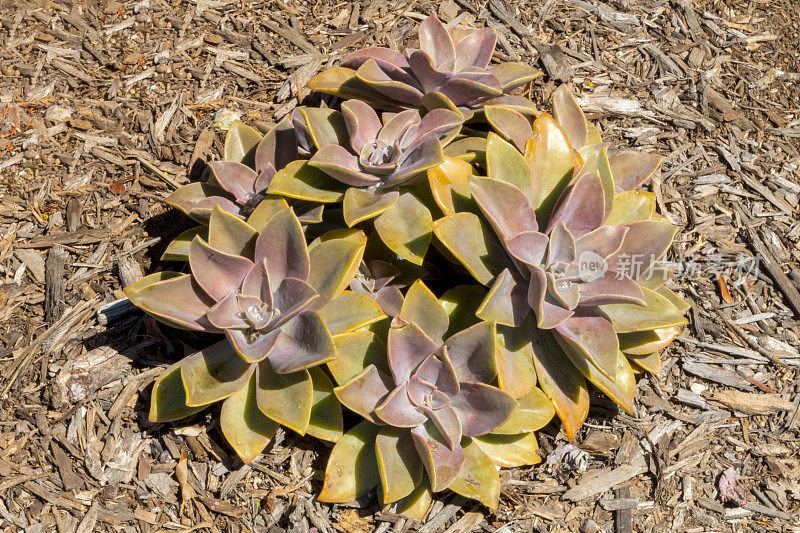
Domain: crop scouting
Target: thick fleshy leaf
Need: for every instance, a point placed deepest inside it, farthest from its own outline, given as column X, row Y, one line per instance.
column 325, row 421
column 218, row 273
column 240, row 141
column 529, row 247
column 513, row 75
column 178, row 248
column 349, row 312
column 510, row 451
column 551, row 161
column 398, row 411
column 512, row 125
column 285, row 398
column 649, row 363
column 621, row 389
column 478, row 477
column 266, row 209
column 611, row 288
column 533, row 412
column 421, row 307
column 229, row 234
column 441, row 124
column 252, row 348
column 590, row 337
column 632, row 206
column 186, row 197
column 448, row 424
column 570, row 117
column 405, row 228
column 416, row 504
column 449, row 183
column 472, row 243
column 594, row 135
column 300, row 180
column 172, row 298
column 469, row 89
column 441, row 463
column 504, row 163
column 475, row 50
column 362, row 123
column 380, row 53
column 363, row 204
column 642, row 343
column 657, row 313
column 460, row 303
column 595, row 159
column 352, row 466
column 304, row 342
column 235, row 178
column 506, row 302
column 561, row 247
column 407, row 347
column 277, row 149
column 334, row 263
column 549, row 312
column 482, row 408
column 514, row 363
column 365, row 392
column 602, row 241
column 243, row 424
column 505, row 206
column 414, row 162
column 630, row 168
column 398, row 463
column 371, row 74
column 168, row 397
column 356, row 351
column 434, row 40
column 680, row 304
column 562, row 383
column 468, row 149
column 645, row 242
column 213, row 374
column 344, row 83
column 282, row 245
column 325, row 126
column 338, row 163
column 581, row 209
column 472, row 352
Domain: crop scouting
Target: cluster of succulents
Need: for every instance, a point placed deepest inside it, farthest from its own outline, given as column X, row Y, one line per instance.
column 477, row 265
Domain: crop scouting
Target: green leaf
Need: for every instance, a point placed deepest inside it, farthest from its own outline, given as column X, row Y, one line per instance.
column 505, row 163
column 631, row 206
column 244, row 426
column 560, row 381
column 350, row 311
column 680, row 304
column 473, row 244
column 326, row 413
column 421, row 307
column 266, row 209
column 478, row 478
column 334, row 263
column 647, row 341
column 595, row 158
column 230, row 234
column 621, row 390
column 184, row 198
column 515, row 372
column 510, row 451
column 213, row 374
column 352, row 467
column 354, row 352
column 398, row 463
column 405, row 228
column 650, row 362
column 285, row 398
column 168, row 398
column 360, row 204
column 460, row 303
column 325, row 125
column 178, row 248
column 468, row 149
column 241, row 142
column 343, row 82
column 533, row 412
column 416, row 504
column 551, row 160
column 300, row 180
column 449, row 184
column 658, row 313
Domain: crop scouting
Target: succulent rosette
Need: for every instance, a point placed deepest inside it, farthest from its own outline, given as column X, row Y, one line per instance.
column 443, row 72
column 571, row 256
column 423, row 405
column 374, row 162
column 279, row 304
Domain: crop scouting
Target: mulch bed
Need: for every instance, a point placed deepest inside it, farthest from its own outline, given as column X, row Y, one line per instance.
column 107, row 106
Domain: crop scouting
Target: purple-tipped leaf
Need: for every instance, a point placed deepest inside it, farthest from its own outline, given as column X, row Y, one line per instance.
column 282, row 246
column 341, row 165
column 362, row 122
column 504, row 205
column 631, row 169
column 506, row 302
column 481, row 408
column 216, row 272
column 365, row 392
column 407, row 347
column 441, row 463
column 475, row 50
column 581, row 208
column 435, row 40
column 304, row 342
column 398, row 411
column 592, row 337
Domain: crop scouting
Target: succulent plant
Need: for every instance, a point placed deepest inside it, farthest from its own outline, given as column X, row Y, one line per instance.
column 270, row 295
column 375, row 162
column 423, row 411
column 579, row 274
column 442, row 73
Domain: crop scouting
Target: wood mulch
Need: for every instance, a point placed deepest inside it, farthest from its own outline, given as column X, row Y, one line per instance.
column 107, row 106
